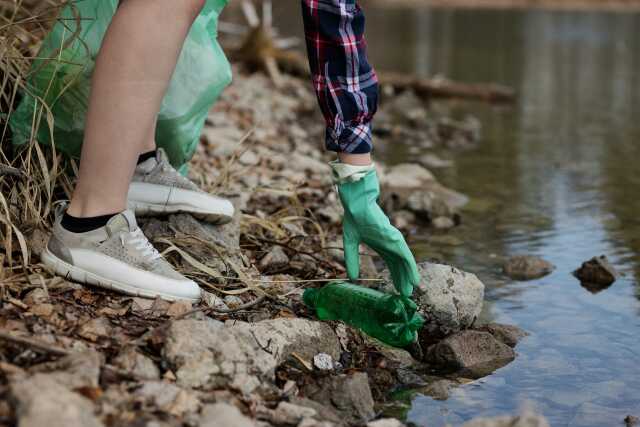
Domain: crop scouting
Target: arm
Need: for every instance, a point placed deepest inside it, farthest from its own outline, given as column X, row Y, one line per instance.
column 345, row 83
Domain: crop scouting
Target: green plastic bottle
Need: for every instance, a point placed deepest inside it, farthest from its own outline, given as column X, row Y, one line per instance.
column 390, row 318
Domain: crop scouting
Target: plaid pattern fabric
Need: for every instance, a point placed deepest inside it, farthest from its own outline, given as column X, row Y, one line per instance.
column 345, row 83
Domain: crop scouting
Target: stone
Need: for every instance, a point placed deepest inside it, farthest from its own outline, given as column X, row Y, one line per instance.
column 78, row 370
column 42, row 401
column 178, row 308
column 95, row 329
column 474, row 353
column 527, row 267
column 168, row 397
column 349, row 394
column 439, row 389
column 434, row 162
column 224, row 415
column 443, row 223
column 290, row 414
column 631, row 420
column 385, row 422
column 449, row 299
column 138, row 364
column 213, row 301
column 527, row 419
column 276, row 259
column 323, row 362
column 312, row 422
column 507, row 334
column 597, row 272
column 407, row 175
column 210, row 353
column 324, row 412
column 36, row 296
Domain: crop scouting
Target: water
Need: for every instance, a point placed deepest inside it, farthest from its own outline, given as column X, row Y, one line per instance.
column 556, row 176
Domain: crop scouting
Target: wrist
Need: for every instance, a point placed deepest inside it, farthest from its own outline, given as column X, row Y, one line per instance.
column 363, row 159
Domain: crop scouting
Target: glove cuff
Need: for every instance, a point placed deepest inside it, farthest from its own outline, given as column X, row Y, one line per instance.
column 343, row 172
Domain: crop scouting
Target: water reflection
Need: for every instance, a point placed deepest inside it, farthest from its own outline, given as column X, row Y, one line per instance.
column 556, row 176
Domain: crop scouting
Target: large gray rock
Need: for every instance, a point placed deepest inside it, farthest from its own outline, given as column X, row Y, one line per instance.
column 43, row 401
column 449, row 299
column 412, row 187
column 506, row 334
column 349, row 394
column 210, row 353
column 473, row 352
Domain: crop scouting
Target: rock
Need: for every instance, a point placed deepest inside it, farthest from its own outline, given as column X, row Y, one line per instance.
column 168, row 397
column 507, row 334
column 597, row 271
column 139, row 365
column 443, row 223
column 407, row 175
column 402, row 219
column 95, row 329
column 324, row 412
column 439, row 389
column 209, row 353
column 290, row 414
column 78, row 370
column 434, row 162
column 385, row 422
column 631, row 421
column 527, row 419
column 349, row 394
column 36, row 296
column 449, row 299
column 214, row 301
column 323, row 361
column 42, row 310
column 224, row 415
column 178, row 308
column 43, row 401
column 312, row 422
column 527, row 267
column 275, row 260
column 474, row 353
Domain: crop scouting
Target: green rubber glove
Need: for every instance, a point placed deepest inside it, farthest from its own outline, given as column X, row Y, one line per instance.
column 365, row 222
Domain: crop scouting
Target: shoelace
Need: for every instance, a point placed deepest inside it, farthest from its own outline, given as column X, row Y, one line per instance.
column 141, row 243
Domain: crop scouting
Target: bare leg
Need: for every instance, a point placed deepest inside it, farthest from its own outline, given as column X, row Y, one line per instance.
column 133, row 70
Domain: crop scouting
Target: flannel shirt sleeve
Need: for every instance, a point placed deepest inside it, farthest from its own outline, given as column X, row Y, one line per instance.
column 345, row 83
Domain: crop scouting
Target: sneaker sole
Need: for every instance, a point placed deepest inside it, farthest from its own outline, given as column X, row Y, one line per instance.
column 76, row 274
column 151, row 209
column 147, row 199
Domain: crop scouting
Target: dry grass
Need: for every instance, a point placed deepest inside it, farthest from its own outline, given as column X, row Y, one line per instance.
column 31, row 176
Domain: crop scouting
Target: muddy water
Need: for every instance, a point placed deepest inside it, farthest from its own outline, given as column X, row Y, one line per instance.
column 556, row 176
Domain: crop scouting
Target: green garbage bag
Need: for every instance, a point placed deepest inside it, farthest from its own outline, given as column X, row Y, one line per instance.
column 61, row 79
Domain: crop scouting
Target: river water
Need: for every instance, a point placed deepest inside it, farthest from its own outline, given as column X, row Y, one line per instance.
column 556, row 175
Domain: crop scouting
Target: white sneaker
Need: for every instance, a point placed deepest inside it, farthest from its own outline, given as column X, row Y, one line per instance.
column 117, row 256
column 158, row 188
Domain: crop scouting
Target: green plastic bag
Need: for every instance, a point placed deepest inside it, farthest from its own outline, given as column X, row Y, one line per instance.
column 61, row 78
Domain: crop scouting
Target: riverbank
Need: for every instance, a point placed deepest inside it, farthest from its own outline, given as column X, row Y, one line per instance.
column 251, row 353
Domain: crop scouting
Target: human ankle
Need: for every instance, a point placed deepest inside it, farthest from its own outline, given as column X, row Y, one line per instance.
column 87, row 208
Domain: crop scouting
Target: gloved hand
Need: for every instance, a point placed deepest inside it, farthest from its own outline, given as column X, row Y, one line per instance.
column 365, row 222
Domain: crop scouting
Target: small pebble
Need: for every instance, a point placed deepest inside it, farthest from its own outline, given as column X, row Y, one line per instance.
column 323, row 361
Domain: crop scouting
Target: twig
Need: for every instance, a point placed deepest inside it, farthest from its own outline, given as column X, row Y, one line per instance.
column 34, row 344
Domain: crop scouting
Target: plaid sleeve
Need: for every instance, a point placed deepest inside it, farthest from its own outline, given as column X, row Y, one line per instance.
column 345, row 83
